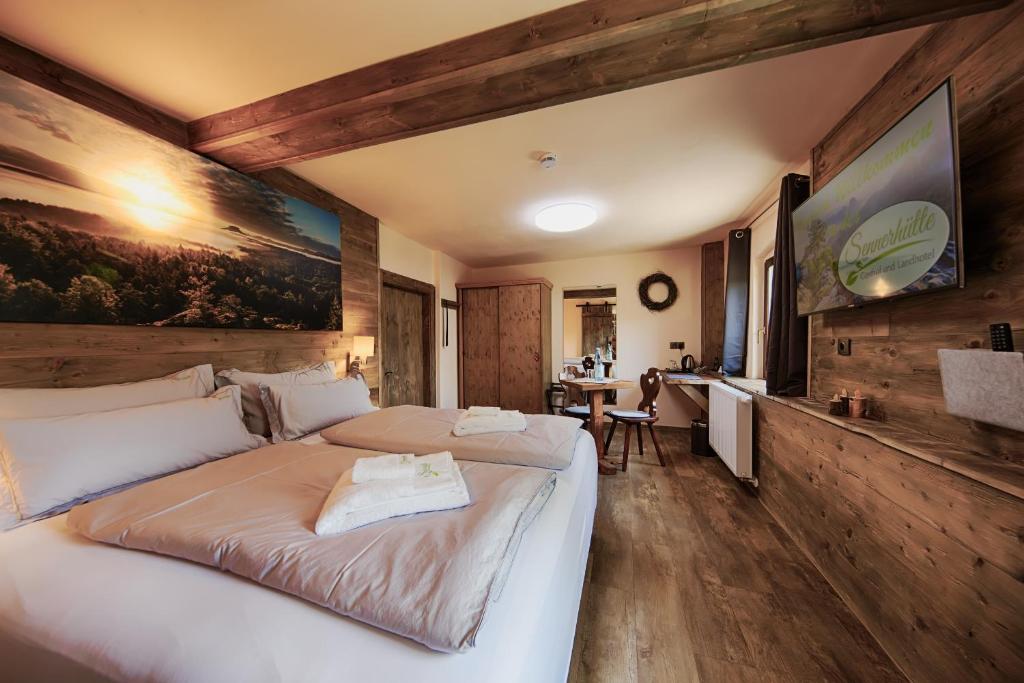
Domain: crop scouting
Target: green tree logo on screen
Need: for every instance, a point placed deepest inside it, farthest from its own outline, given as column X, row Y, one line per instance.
column 894, row 248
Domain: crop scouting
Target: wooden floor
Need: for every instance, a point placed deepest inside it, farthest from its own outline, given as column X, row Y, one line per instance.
column 690, row 579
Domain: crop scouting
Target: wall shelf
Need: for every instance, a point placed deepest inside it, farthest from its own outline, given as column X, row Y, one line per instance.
column 1002, row 475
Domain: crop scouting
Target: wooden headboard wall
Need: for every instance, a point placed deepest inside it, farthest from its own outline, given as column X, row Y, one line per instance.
column 54, row 355
column 894, row 356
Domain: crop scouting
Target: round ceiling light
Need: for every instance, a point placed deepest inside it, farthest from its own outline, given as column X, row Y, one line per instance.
column 565, row 217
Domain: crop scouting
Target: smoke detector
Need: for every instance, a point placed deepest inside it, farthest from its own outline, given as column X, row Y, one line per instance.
column 548, row 160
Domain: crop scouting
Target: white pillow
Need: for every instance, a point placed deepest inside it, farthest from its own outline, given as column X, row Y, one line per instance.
column 252, row 405
column 8, row 513
column 191, row 383
column 53, row 462
column 299, row 409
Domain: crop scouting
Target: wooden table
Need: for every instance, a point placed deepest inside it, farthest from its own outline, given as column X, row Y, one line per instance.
column 689, row 386
column 595, row 397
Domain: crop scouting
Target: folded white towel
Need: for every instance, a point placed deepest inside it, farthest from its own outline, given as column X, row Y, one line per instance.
column 480, row 411
column 504, row 421
column 350, row 506
column 401, row 466
column 359, row 496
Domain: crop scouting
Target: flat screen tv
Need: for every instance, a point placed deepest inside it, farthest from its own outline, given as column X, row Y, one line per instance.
column 888, row 225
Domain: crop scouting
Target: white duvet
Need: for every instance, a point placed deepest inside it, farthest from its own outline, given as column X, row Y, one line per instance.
column 78, row 610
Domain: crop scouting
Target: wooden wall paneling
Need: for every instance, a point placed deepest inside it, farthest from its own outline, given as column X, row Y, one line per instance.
column 930, row 561
column 896, row 363
column 942, row 51
column 520, row 348
column 595, row 295
column 28, row 370
column 583, row 50
column 712, row 302
column 478, row 343
column 82, row 355
column 54, row 340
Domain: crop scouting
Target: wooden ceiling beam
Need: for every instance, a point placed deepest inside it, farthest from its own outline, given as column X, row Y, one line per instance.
column 559, row 34
column 583, row 50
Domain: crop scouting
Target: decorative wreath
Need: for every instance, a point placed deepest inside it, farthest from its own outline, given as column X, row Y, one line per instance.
column 645, row 287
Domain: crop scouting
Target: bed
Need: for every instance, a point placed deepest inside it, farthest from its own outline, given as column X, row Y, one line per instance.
column 73, row 609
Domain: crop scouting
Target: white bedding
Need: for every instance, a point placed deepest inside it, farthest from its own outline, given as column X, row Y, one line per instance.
column 73, row 609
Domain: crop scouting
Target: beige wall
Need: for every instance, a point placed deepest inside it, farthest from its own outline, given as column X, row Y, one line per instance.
column 643, row 336
column 448, row 272
column 404, row 256
column 572, row 328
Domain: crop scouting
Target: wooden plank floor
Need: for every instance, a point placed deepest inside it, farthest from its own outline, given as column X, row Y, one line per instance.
column 690, row 579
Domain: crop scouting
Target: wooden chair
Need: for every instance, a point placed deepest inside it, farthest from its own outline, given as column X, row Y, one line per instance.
column 576, row 403
column 645, row 414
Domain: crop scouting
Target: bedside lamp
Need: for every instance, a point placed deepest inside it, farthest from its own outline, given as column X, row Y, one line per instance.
column 362, row 348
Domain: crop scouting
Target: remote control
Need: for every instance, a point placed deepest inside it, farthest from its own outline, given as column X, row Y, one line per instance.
column 1002, row 337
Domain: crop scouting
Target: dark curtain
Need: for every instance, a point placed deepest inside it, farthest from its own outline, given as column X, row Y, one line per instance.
column 786, row 362
column 737, row 303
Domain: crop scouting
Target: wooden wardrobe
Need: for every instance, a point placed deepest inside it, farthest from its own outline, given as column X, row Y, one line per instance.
column 505, row 344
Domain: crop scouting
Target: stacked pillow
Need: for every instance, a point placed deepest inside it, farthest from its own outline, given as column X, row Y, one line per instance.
column 59, row 447
column 191, row 383
column 252, row 405
column 295, row 410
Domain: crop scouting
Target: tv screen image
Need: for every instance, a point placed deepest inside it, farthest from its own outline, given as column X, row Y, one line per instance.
column 887, row 225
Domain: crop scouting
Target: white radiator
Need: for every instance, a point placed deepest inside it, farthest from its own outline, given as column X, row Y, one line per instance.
column 730, row 428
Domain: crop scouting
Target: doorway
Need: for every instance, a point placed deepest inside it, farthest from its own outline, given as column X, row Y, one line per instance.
column 588, row 324
column 407, row 341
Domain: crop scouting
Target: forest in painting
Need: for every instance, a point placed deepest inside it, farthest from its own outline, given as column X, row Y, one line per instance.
column 100, row 223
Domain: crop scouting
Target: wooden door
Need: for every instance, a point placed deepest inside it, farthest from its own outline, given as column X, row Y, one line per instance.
column 407, row 342
column 478, row 330
column 598, row 328
column 520, row 348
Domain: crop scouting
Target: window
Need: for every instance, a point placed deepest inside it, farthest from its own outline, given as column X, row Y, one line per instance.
column 766, row 310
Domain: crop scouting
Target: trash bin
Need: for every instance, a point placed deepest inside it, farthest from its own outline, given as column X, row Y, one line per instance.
column 699, row 438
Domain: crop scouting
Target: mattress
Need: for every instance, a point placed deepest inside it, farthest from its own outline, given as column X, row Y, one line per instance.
column 74, row 609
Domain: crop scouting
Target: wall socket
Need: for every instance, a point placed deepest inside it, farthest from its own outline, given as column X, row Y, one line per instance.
column 844, row 347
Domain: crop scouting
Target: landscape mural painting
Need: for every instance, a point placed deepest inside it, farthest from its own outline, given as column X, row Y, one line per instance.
column 101, row 223
column 888, row 224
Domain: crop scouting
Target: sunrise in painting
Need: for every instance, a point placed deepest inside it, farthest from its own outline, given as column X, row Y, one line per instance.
column 100, row 223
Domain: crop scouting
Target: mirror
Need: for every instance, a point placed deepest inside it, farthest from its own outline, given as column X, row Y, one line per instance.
column 589, row 321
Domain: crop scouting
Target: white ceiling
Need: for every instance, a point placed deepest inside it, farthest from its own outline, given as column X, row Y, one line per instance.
column 666, row 165
column 197, row 57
